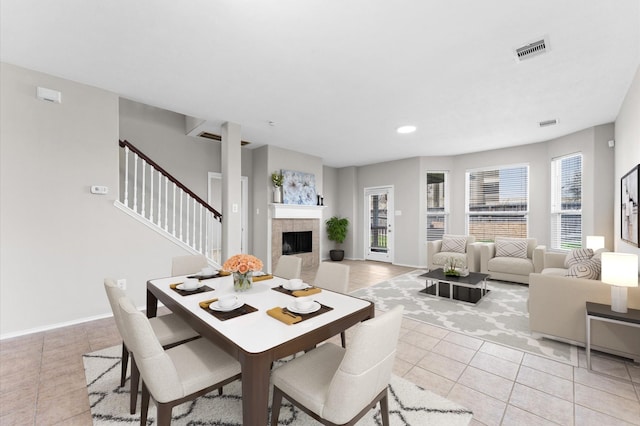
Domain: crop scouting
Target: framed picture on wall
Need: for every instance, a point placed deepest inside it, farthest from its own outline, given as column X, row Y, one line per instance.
column 299, row 187
column 629, row 183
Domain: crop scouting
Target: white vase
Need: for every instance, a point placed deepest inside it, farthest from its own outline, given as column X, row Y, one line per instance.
column 277, row 195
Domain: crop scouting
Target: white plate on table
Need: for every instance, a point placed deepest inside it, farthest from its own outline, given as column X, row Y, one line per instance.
column 201, row 276
column 287, row 286
column 292, row 307
column 215, row 306
column 181, row 287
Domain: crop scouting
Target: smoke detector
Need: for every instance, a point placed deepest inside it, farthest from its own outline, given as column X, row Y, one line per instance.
column 532, row 49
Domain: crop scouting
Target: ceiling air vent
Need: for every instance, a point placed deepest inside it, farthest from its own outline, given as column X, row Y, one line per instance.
column 215, row 137
column 532, row 49
column 548, row 123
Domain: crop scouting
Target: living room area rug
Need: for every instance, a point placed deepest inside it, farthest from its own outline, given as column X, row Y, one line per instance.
column 500, row 317
column 408, row 403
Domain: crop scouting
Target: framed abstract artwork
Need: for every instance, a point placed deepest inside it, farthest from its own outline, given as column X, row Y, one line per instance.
column 298, row 188
column 629, row 183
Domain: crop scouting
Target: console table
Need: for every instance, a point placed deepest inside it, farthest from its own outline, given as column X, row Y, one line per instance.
column 600, row 312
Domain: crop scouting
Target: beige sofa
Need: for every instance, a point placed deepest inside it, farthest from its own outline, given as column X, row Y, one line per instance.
column 557, row 311
column 436, row 258
column 511, row 268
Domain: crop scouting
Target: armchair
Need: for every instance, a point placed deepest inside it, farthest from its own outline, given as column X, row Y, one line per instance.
column 511, row 259
column 463, row 248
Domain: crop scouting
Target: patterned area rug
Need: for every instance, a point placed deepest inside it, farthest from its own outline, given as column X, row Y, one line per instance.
column 500, row 317
column 408, row 403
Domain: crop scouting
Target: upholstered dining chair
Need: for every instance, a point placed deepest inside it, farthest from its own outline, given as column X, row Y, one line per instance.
column 169, row 329
column 189, row 264
column 288, row 267
column 338, row 386
column 176, row 375
column 335, row 277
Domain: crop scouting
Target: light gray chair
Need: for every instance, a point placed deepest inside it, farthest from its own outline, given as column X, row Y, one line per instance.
column 169, row 329
column 288, row 267
column 339, row 385
column 189, row 264
column 335, row 277
column 177, row 375
column 462, row 248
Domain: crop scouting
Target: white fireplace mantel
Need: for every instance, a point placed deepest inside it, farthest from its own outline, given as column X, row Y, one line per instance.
column 295, row 211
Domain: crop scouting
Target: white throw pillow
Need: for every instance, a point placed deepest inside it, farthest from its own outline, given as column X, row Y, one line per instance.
column 454, row 245
column 577, row 256
column 589, row 269
column 511, row 247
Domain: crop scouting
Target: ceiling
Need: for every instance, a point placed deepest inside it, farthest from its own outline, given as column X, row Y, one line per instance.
column 336, row 78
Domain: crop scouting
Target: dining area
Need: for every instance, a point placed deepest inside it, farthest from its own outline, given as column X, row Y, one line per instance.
column 240, row 330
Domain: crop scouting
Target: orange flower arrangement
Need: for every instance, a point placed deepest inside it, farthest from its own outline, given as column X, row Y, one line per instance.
column 242, row 263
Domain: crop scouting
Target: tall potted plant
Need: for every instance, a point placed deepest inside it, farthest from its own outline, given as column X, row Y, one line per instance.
column 337, row 232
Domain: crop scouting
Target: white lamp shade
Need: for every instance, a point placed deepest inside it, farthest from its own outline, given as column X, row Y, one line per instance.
column 620, row 269
column 595, row 242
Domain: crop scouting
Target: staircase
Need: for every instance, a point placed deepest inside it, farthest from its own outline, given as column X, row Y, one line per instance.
column 155, row 198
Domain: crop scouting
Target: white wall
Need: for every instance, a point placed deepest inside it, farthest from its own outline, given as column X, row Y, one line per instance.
column 627, row 153
column 57, row 241
column 160, row 134
column 266, row 160
column 330, row 185
column 409, row 180
column 405, row 177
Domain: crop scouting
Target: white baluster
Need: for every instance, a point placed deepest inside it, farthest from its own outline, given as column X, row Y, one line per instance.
column 166, row 203
column 206, row 234
column 144, row 163
column 151, row 193
column 181, row 214
column 126, row 176
column 174, row 210
column 201, row 230
column 187, row 226
column 135, row 182
column 193, row 238
column 159, row 198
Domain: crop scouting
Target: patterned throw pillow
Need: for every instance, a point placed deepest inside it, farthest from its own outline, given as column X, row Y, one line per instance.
column 511, row 247
column 589, row 269
column 455, row 245
column 576, row 256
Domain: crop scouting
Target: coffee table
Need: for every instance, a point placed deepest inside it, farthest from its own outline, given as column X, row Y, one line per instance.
column 469, row 289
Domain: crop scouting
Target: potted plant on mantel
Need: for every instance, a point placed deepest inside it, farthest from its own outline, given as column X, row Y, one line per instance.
column 276, row 180
column 337, row 232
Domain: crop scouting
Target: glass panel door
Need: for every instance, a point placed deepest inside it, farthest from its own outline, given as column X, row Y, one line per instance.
column 379, row 223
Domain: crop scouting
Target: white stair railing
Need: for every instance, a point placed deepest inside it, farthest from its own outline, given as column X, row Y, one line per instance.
column 182, row 217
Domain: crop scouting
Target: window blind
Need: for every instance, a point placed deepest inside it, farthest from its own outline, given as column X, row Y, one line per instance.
column 566, row 202
column 437, row 210
column 497, row 202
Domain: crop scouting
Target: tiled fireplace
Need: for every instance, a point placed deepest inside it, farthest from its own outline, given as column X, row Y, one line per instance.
column 292, row 218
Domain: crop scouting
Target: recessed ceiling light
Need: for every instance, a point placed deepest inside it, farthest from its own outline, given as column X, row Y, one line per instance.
column 406, row 129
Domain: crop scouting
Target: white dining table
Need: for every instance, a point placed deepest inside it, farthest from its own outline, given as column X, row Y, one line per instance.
column 256, row 339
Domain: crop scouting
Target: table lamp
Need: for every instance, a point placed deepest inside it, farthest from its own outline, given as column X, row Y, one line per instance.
column 595, row 242
column 620, row 270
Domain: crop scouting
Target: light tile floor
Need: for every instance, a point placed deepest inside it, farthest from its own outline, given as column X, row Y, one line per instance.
column 42, row 377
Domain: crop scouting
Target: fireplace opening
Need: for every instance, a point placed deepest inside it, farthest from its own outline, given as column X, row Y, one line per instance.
column 296, row 242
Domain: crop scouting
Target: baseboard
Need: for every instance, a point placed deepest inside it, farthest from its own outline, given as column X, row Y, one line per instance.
column 62, row 324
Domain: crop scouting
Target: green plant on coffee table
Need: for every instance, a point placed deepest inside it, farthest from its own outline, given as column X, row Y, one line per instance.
column 451, row 267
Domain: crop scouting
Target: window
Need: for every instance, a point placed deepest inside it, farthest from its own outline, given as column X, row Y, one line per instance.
column 497, row 202
column 437, row 205
column 566, row 202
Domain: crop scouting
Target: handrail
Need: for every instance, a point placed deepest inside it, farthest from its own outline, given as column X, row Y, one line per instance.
column 125, row 143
